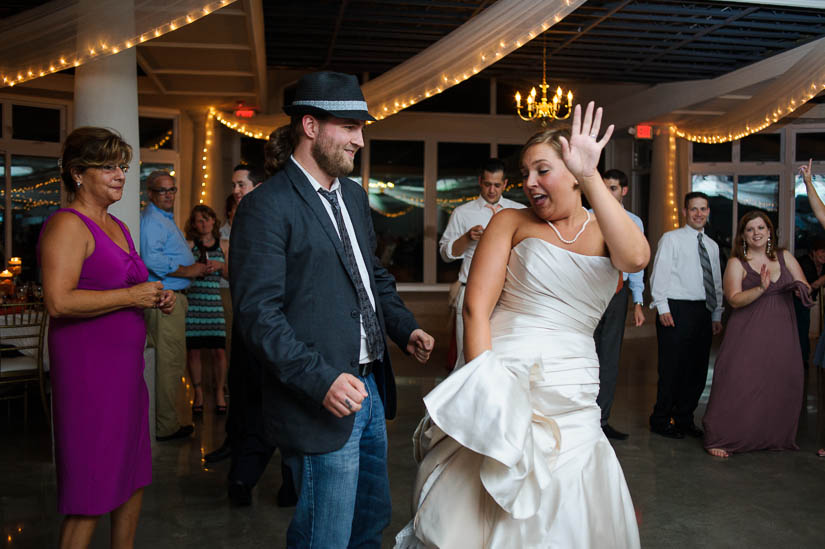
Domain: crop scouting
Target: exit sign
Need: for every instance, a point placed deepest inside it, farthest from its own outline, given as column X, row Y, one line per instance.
column 644, row 131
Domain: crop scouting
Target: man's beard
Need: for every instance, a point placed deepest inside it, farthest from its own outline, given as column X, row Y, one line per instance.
column 334, row 162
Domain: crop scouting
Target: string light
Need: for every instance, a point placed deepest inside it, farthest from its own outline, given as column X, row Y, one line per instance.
column 783, row 108
column 472, row 65
column 248, row 131
column 51, row 66
column 163, row 140
column 434, row 84
column 210, row 128
column 671, row 177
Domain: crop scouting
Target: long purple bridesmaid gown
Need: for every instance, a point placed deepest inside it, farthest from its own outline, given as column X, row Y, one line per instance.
column 100, row 400
column 756, row 395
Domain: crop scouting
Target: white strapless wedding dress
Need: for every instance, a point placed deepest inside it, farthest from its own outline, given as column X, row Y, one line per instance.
column 511, row 454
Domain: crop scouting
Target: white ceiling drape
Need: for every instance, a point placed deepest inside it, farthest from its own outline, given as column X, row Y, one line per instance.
column 68, row 33
column 492, row 35
column 797, row 85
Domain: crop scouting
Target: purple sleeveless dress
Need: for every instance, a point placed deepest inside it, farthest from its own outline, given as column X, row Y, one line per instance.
column 757, row 385
column 101, row 405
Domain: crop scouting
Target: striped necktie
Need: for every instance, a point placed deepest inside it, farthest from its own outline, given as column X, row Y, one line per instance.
column 707, row 275
column 372, row 328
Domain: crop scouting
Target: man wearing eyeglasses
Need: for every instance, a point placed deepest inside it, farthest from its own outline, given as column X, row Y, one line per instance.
column 164, row 250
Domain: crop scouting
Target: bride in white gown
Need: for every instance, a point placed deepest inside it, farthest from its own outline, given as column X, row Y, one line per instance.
column 511, row 454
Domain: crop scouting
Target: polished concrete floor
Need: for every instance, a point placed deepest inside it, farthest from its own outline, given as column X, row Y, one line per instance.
column 683, row 497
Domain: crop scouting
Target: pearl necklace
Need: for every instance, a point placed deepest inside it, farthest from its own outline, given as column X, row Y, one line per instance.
column 578, row 234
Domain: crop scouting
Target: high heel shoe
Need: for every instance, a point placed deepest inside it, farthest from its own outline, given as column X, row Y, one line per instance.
column 220, row 410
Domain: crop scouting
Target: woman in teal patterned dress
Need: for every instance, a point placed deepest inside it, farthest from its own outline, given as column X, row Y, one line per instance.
column 205, row 324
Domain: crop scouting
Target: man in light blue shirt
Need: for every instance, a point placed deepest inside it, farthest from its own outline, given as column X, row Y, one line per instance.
column 610, row 331
column 169, row 259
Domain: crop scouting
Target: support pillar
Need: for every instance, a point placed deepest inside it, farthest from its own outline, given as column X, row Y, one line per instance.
column 106, row 94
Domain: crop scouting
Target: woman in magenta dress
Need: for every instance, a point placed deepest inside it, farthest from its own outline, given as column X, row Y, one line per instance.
column 757, row 380
column 94, row 287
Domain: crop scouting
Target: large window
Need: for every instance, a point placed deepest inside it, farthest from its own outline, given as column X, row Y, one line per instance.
column 156, row 133
column 745, row 175
column 30, row 187
column 715, row 152
column 35, row 123
column 806, row 226
column 511, row 156
column 810, row 145
column 731, row 197
column 396, row 195
column 457, row 183
column 35, row 195
column 159, row 142
column 720, row 190
column 145, row 169
column 761, row 147
column 3, row 256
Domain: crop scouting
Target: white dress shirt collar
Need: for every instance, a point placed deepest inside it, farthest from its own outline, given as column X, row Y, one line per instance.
column 314, row 182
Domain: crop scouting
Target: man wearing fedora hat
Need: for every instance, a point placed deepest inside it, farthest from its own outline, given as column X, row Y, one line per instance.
column 313, row 305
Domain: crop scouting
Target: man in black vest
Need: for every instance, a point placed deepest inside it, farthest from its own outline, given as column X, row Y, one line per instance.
column 312, row 304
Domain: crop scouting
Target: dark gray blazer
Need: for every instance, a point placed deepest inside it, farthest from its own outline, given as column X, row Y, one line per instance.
column 296, row 309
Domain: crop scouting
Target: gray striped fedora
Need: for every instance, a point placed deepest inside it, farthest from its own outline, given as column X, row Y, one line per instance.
column 331, row 93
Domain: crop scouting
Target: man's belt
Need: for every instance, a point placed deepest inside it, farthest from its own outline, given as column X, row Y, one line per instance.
column 366, row 368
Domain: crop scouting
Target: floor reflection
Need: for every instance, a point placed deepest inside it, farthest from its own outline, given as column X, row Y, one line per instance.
column 683, row 497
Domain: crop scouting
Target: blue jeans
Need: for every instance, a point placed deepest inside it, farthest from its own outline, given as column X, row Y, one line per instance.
column 344, row 496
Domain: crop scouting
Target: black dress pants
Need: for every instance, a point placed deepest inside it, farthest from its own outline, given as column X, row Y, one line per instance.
column 609, row 335
column 684, row 351
column 244, row 424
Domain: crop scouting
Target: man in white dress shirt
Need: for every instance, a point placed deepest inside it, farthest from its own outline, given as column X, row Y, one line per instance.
column 465, row 227
column 686, row 287
column 610, row 330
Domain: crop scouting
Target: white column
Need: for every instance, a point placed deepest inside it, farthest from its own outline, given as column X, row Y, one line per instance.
column 105, row 94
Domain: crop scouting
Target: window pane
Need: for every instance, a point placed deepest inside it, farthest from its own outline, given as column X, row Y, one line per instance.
column 35, row 123
column 719, row 189
column 505, row 98
column 471, row 96
column 810, row 145
column 3, row 257
column 148, row 167
column 642, row 154
column 252, row 151
column 156, row 133
column 759, row 192
column 35, row 194
column 806, row 226
column 396, row 194
column 766, row 147
column 705, row 152
column 511, row 156
column 458, row 165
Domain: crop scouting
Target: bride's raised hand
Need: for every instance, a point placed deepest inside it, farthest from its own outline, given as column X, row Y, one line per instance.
column 581, row 153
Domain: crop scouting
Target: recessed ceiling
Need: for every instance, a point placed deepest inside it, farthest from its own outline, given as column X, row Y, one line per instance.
column 642, row 41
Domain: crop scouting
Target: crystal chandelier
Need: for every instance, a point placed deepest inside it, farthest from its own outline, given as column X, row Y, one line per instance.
column 545, row 110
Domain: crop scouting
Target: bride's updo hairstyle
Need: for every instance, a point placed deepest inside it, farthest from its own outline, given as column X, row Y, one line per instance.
column 550, row 137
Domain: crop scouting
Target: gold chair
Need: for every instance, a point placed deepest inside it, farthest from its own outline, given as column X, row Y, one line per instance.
column 22, row 333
